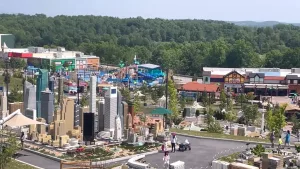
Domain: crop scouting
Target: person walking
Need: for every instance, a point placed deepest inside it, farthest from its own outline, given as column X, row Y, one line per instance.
column 166, row 160
column 287, row 139
column 272, row 138
column 22, row 138
column 298, row 135
column 173, row 142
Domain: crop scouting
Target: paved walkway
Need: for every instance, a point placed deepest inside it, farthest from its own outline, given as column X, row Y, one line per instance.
column 202, row 153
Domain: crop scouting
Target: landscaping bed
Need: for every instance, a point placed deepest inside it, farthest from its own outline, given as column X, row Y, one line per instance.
column 18, row 165
column 218, row 135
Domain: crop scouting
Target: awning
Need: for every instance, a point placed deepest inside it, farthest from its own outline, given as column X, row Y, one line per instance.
column 161, row 111
column 18, row 120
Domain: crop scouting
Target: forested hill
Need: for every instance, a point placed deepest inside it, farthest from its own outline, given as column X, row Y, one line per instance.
column 262, row 24
column 183, row 45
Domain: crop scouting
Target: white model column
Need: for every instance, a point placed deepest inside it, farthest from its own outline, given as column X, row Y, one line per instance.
column 93, row 80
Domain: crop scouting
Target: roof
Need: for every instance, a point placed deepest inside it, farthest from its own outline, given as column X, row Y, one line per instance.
column 252, row 75
column 149, row 66
column 200, row 87
column 161, row 111
column 274, row 78
column 216, row 76
column 293, row 76
column 234, row 71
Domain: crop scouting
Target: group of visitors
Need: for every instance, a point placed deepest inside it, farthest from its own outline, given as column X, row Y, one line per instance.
column 166, row 157
column 287, row 139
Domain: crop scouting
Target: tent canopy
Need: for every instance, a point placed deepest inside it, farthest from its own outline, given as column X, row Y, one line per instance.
column 161, row 111
column 18, row 119
column 197, row 106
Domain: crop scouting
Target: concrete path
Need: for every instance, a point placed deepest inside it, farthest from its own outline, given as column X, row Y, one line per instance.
column 202, row 153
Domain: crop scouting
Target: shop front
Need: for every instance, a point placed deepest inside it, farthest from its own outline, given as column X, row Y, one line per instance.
column 234, row 81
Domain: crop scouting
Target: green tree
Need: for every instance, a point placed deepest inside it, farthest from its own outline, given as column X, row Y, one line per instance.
column 137, row 103
column 17, row 63
column 296, row 124
column 173, row 101
column 53, row 67
column 230, row 115
column 8, row 146
column 204, row 99
column 223, row 100
column 66, row 65
column 275, row 119
column 125, row 94
column 15, row 95
column 182, row 103
column 197, row 114
column 84, row 101
column 250, row 113
column 213, row 126
column 258, row 150
column 184, row 113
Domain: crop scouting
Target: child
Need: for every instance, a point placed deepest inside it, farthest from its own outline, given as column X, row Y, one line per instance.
column 279, row 143
column 166, row 159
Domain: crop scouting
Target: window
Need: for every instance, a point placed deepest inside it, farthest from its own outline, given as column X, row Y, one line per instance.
column 206, row 79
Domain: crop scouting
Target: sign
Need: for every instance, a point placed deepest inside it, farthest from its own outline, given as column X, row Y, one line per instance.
column 234, row 80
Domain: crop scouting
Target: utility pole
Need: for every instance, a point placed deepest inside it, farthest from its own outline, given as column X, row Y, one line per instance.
column 166, row 92
column 78, row 88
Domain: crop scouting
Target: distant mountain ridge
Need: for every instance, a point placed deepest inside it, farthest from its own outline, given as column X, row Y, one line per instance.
column 261, row 24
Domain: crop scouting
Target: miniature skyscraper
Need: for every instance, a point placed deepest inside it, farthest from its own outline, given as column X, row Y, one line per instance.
column 93, row 83
column 111, row 101
column 101, row 112
column 42, row 84
column 3, row 103
column 60, row 89
column 29, row 96
column 47, row 106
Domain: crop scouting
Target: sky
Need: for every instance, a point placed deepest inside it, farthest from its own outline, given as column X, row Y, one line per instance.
column 226, row 10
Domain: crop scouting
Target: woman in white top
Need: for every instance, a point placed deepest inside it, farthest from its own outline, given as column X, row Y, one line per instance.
column 173, row 142
column 166, row 159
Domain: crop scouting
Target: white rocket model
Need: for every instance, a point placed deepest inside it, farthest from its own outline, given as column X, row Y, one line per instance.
column 118, row 130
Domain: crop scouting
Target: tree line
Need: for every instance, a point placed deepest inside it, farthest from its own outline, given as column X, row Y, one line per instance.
column 182, row 45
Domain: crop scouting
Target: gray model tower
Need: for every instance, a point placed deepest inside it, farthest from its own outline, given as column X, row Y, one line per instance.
column 60, row 90
column 101, row 112
column 47, row 106
column 93, row 83
column 111, row 110
column 29, row 96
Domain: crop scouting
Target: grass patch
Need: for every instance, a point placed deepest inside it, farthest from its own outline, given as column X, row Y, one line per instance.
column 18, row 165
column 230, row 158
column 217, row 135
column 139, row 149
column 14, row 82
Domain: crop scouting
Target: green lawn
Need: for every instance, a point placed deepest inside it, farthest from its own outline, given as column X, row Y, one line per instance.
column 217, row 135
column 14, row 82
column 18, row 165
